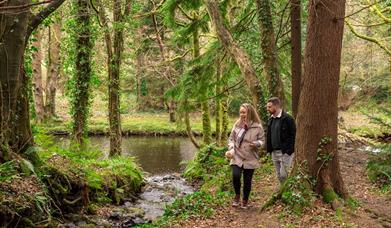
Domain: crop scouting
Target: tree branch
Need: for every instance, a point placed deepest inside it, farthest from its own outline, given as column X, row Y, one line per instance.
column 42, row 15
column 368, row 38
column 22, row 7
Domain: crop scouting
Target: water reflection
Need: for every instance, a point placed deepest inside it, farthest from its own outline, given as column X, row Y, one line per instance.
column 156, row 155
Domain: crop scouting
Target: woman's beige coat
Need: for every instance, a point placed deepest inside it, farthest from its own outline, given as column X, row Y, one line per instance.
column 245, row 155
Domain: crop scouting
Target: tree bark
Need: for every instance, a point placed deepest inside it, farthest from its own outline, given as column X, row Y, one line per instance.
column 295, row 53
column 269, row 50
column 17, row 26
column 114, row 59
column 37, row 77
column 317, row 118
column 238, row 54
column 83, row 70
column 54, row 65
column 171, row 110
column 12, row 46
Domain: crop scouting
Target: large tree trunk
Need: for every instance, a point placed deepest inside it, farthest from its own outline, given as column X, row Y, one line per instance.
column 37, row 77
column 15, row 30
column 238, row 54
column 316, row 140
column 295, row 53
column 269, row 50
column 12, row 35
column 53, row 72
column 83, row 70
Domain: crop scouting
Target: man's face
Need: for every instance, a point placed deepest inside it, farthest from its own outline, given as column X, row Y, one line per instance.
column 271, row 108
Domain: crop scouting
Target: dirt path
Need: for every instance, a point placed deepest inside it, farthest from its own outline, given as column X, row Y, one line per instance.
column 374, row 210
column 376, row 206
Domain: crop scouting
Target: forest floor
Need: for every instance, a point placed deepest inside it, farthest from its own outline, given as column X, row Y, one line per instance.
column 372, row 208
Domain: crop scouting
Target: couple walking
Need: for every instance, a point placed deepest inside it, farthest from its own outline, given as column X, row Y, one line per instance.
column 247, row 136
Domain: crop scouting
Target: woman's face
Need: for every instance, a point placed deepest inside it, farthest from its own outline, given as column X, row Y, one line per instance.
column 243, row 113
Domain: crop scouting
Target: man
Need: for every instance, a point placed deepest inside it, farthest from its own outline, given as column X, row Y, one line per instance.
column 281, row 132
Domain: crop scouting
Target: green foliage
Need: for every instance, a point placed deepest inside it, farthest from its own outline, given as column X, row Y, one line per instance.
column 199, row 205
column 297, row 192
column 109, row 180
column 379, row 167
column 8, row 170
column 81, row 31
column 322, row 155
column 210, row 167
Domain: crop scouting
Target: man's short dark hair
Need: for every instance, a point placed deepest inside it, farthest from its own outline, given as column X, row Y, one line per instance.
column 274, row 101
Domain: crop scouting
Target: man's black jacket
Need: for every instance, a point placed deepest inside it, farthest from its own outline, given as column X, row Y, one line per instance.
column 287, row 134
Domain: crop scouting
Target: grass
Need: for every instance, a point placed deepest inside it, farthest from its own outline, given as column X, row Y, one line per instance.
column 138, row 123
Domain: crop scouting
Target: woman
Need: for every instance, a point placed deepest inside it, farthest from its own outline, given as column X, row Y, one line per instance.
column 247, row 136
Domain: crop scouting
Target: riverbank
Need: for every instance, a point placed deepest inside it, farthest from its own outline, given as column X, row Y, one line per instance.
column 145, row 124
column 357, row 122
column 59, row 182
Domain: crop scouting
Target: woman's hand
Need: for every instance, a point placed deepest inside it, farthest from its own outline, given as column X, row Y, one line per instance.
column 253, row 145
column 229, row 154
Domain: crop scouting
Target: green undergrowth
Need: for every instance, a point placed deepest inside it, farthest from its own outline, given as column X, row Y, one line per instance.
column 379, row 168
column 379, row 120
column 72, row 179
column 210, row 171
column 108, row 180
column 24, row 199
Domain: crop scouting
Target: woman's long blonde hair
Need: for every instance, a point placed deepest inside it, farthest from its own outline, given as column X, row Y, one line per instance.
column 252, row 115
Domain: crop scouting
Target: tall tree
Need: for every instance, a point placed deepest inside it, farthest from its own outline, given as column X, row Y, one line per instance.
column 269, row 50
column 81, row 91
column 206, row 128
column 192, row 21
column 317, row 118
column 295, row 52
column 238, row 54
column 218, row 112
column 54, row 64
column 17, row 26
column 168, row 74
column 114, row 49
column 37, row 76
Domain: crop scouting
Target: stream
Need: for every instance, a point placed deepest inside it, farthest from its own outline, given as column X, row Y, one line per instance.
column 162, row 158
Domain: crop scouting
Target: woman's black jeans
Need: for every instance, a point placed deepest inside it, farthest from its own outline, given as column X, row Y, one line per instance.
column 247, row 178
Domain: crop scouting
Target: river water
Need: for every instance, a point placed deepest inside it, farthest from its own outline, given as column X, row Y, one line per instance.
column 163, row 159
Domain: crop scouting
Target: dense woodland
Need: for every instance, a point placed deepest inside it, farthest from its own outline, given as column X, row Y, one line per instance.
column 183, row 68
